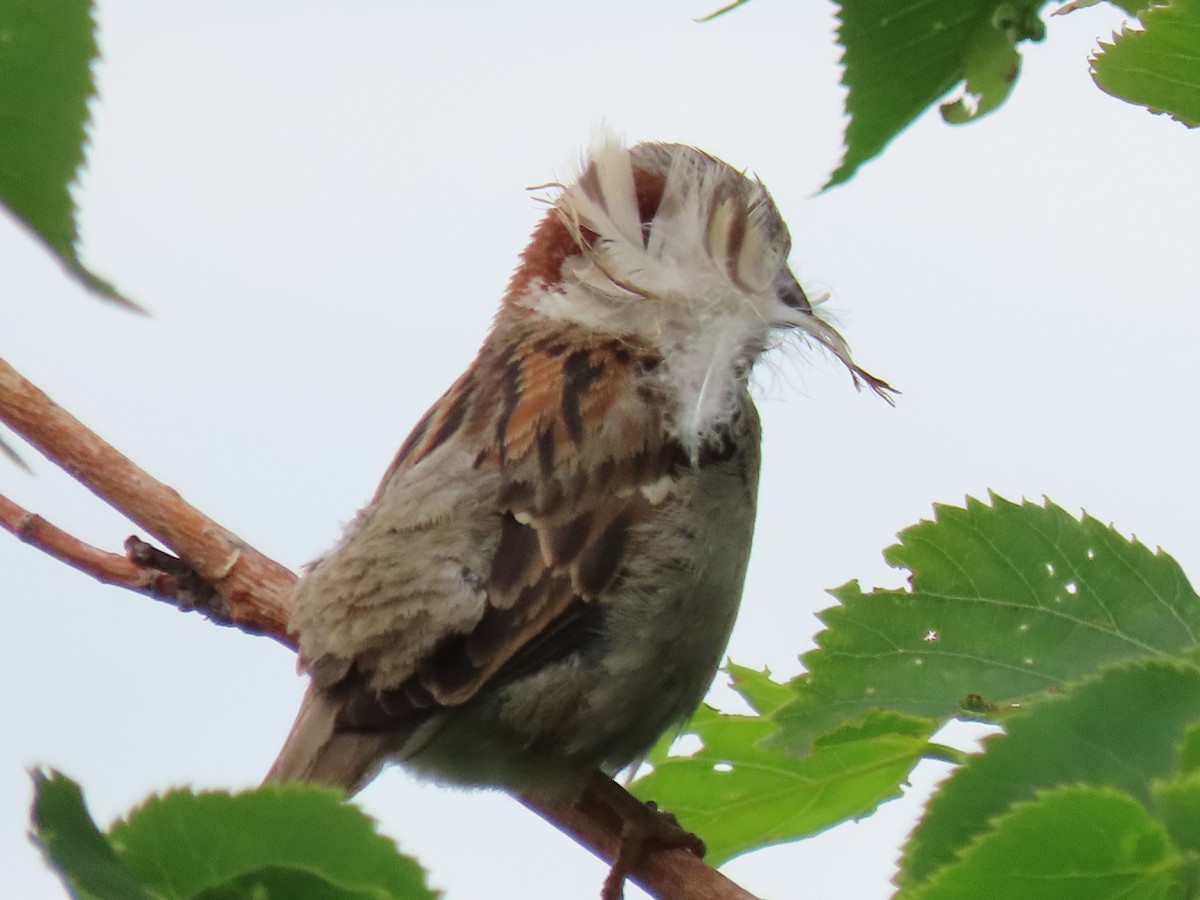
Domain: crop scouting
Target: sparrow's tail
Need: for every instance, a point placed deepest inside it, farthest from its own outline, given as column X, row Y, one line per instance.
column 316, row 751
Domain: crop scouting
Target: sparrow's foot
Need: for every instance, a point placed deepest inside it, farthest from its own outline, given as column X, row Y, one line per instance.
column 669, row 832
column 643, row 825
column 188, row 591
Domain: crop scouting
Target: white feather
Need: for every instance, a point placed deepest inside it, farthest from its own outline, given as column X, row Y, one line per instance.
column 701, row 286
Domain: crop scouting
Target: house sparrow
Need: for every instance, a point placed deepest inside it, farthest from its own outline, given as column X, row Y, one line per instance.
column 547, row 576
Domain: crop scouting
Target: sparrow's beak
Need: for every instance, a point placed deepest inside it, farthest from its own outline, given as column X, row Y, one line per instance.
column 791, row 295
column 796, row 311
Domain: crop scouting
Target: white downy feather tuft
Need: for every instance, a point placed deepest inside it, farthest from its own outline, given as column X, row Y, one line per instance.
column 700, row 280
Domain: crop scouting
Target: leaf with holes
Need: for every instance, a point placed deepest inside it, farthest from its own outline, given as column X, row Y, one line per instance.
column 1005, row 602
column 740, row 795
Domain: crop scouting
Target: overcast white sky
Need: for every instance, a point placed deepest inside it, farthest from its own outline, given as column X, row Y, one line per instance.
column 321, row 204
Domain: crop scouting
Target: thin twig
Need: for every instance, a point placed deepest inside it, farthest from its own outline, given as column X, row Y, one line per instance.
column 108, row 568
column 143, row 569
column 254, row 586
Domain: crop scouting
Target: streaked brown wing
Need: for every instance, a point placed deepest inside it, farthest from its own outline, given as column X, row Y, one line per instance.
column 576, row 432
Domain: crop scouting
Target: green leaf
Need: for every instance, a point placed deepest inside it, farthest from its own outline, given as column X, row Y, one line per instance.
column 1075, row 843
column 283, row 884
column 1178, row 802
column 990, row 67
column 1189, row 750
column 46, row 53
column 723, row 10
column 74, row 847
column 902, row 57
column 1005, row 602
column 183, row 844
column 740, row 795
column 1119, row 730
column 764, row 695
column 1157, row 66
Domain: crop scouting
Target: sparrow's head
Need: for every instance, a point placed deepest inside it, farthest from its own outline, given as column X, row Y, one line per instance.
column 671, row 244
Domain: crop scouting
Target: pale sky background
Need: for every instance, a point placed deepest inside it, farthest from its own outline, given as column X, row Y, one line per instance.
column 321, row 204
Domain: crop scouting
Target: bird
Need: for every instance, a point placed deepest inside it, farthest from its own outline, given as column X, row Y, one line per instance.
column 545, row 581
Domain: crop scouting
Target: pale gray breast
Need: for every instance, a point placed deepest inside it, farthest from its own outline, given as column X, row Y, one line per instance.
column 669, row 624
column 656, row 643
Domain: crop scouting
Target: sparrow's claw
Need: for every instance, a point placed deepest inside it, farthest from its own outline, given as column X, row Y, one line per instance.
column 669, row 832
column 643, row 825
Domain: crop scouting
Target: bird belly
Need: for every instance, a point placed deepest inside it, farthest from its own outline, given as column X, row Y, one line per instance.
column 651, row 655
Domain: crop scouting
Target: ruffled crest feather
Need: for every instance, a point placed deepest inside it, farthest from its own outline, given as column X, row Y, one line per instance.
column 678, row 248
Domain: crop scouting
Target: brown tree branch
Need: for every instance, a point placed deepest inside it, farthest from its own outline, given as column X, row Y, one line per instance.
column 597, row 820
column 254, row 589
column 142, row 570
column 105, row 567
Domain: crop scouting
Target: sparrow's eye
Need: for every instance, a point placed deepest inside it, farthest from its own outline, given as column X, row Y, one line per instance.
column 789, row 292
